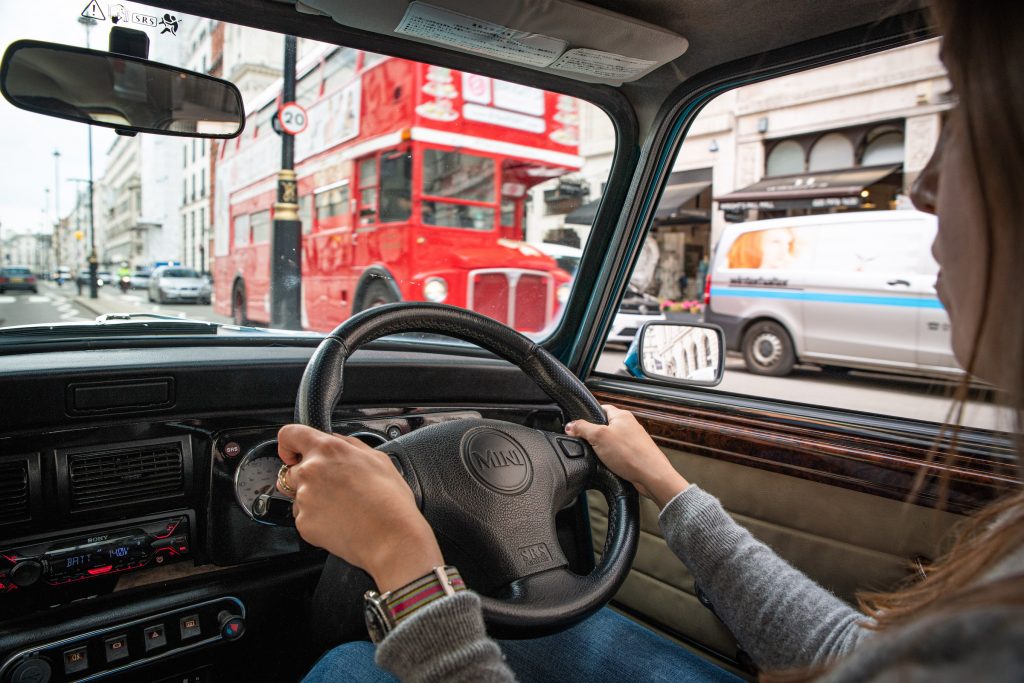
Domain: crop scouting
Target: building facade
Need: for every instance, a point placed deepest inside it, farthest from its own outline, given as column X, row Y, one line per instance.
column 851, row 136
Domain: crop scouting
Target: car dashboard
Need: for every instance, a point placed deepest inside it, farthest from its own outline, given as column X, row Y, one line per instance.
column 128, row 545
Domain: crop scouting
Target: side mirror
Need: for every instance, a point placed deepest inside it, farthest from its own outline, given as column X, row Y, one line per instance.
column 692, row 354
column 131, row 94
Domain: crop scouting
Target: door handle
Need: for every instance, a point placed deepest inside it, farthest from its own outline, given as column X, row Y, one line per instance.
column 898, row 282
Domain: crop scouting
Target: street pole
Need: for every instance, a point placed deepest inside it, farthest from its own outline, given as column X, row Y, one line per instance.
column 286, row 245
column 88, row 23
column 93, row 265
column 57, row 232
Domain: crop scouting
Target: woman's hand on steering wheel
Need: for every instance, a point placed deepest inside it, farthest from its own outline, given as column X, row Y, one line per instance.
column 625, row 448
column 334, row 477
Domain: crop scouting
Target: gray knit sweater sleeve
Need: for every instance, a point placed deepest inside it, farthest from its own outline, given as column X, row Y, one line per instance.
column 781, row 618
column 444, row 641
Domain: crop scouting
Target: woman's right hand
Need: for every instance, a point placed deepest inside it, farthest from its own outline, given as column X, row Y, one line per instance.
column 628, row 450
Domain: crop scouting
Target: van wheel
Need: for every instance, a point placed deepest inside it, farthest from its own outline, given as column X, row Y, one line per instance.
column 768, row 350
column 238, row 306
column 376, row 294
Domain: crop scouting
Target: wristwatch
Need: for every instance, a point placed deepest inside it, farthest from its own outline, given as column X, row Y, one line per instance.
column 384, row 612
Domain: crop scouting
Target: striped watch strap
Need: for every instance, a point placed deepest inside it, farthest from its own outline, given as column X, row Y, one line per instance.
column 414, row 596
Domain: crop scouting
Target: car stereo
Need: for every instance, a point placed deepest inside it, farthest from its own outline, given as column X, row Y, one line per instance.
column 97, row 553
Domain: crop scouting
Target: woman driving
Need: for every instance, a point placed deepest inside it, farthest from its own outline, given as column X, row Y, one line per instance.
column 963, row 621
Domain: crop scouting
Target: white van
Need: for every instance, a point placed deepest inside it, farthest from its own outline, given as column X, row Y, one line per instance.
column 846, row 290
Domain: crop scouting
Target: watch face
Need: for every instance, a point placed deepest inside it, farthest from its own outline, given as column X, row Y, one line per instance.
column 377, row 624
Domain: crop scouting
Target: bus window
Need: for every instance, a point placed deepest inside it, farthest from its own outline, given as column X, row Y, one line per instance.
column 458, row 175
column 468, row 181
column 458, row 215
column 395, row 186
column 306, row 213
column 331, row 204
column 242, row 230
column 368, row 191
column 260, row 226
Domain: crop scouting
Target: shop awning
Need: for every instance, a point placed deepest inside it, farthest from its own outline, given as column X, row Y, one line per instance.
column 808, row 189
column 669, row 207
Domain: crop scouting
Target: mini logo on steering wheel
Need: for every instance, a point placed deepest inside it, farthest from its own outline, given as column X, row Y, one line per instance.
column 496, row 461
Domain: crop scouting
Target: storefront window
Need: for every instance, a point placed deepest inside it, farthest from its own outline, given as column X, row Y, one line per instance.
column 831, row 152
column 786, row 158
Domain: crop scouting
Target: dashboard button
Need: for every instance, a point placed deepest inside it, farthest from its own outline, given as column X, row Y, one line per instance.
column 76, row 659
column 154, row 636
column 571, row 447
column 116, row 648
column 189, row 626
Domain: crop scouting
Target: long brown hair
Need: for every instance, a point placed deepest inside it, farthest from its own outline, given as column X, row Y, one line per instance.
column 982, row 49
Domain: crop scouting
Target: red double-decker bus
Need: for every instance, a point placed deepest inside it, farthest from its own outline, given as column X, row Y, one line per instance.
column 412, row 186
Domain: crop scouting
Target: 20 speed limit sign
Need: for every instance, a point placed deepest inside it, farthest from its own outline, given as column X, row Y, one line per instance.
column 293, row 118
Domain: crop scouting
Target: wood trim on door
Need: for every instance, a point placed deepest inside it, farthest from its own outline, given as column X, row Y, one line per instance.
column 778, row 443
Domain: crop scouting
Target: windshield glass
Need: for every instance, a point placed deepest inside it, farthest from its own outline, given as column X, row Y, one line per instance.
column 405, row 182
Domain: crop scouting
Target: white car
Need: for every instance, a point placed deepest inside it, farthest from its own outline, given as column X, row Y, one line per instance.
column 174, row 283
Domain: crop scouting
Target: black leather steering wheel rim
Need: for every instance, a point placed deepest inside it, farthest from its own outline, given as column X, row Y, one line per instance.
column 537, row 603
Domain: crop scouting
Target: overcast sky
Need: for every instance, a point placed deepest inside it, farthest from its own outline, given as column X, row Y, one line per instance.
column 27, row 140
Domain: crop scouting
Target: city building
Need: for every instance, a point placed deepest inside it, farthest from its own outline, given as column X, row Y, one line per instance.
column 141, row 212
column 851, row 136
column 30, row 249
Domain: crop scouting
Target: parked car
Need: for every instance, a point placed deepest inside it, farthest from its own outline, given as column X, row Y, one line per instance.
column 18, row 278
column 833, row 290
column 173, row 283
column 635, row 309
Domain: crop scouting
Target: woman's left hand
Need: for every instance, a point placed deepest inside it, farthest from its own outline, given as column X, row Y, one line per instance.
column 350, row 500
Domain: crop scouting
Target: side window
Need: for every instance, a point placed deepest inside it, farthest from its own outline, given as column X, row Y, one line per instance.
column 242, row 230
column 330, row 204
column 395, row 186
column 368, row 191
column 786, row 221
column 260, row 227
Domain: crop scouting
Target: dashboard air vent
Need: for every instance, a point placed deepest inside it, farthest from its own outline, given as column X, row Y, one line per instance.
column 125, row 475
column 14, row 487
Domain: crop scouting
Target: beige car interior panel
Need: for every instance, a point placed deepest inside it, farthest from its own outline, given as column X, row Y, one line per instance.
column 845, row 540
column 562, row 37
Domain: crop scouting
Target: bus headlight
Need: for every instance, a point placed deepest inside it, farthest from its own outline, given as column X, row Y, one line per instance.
column 435, row 289
column 563, row 292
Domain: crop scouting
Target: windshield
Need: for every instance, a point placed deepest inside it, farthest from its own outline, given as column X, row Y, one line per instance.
column 179, row 272
column 412, row 182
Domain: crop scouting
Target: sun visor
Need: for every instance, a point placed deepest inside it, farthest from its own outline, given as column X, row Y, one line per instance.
column 562, row 37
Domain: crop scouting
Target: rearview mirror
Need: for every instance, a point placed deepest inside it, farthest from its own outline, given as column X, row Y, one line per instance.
column 691, row 354
column 118, row 91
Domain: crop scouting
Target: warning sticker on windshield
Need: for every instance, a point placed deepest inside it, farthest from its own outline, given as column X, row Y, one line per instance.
column 476, row 35
column 604, row 65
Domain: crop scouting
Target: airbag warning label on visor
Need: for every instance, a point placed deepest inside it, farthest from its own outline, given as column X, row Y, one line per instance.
column 604, row 65
column 476, row 35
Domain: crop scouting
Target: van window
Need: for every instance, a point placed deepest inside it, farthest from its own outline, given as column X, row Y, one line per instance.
column 801, row 243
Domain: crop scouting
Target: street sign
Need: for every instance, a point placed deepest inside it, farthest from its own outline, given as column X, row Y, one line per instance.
column 293, row 118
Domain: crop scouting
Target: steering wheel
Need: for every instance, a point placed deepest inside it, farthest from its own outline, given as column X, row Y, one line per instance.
column 490, row 489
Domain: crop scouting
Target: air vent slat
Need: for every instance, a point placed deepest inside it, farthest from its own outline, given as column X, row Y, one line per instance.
column 125, row 475
column 14, row 501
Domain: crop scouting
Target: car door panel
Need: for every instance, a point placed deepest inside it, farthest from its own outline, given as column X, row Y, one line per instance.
column 834, row 512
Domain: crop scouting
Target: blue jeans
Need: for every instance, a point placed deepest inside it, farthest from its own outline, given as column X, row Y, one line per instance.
column 605, row 647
